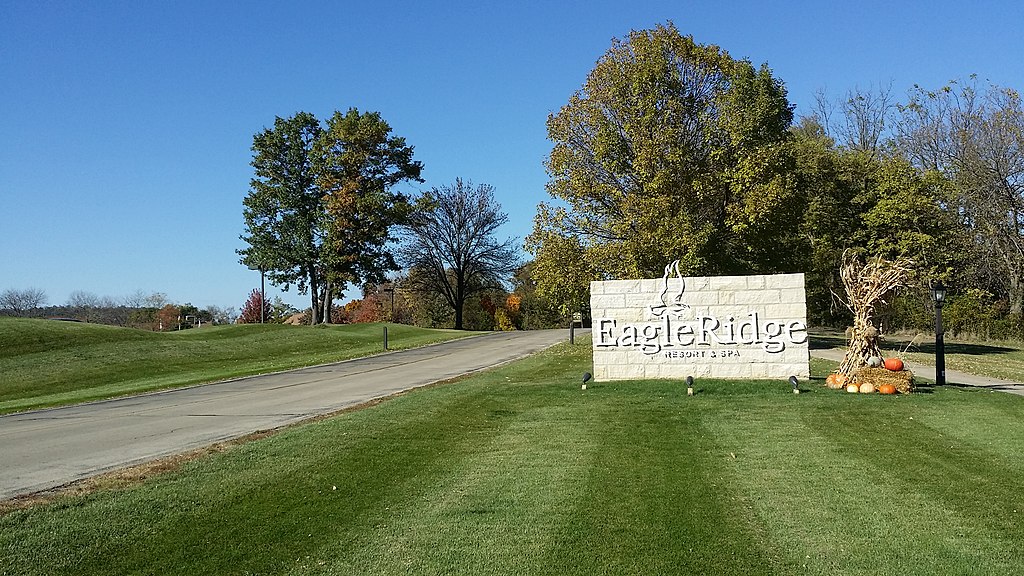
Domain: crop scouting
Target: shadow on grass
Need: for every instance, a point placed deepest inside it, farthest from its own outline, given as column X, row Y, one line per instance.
column 962, row 348
column 825, row 341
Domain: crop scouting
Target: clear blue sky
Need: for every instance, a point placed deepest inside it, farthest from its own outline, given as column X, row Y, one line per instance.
column 125, row 127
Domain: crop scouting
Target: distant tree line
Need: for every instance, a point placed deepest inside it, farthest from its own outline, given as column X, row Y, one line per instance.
column 139, row 310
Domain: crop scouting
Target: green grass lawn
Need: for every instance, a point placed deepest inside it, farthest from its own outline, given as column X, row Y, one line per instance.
column 518, row 471
column 48, row 363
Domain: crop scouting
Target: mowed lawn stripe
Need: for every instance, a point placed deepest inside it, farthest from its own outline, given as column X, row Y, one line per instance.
column 855, row 484
column 976, row 492
column 263, row 507
column 659, row 499
column 495, row 511
column 575, row 483
column 502, row 500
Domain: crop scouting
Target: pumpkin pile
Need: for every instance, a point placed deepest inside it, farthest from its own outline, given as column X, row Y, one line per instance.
column 884, row 377
column 901, row 381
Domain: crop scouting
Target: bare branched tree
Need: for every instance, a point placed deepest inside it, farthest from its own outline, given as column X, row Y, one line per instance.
column 83, row 299
column 975, row 137
column 18, row 302
column 452, row 246
column 864, row 121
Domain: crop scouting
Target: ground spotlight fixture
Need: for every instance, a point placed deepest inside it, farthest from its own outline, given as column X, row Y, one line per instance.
column 689, row 385
column 586, row 378
column 795, row 383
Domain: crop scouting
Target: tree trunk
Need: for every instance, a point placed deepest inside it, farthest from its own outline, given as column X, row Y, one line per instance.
column 459, row 300
column 458, row 315
column 327, row 304
column 1016, row 295
column 314, row 296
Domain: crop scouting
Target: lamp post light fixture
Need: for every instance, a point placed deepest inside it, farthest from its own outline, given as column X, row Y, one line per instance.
column 263, row 292
column 939, row 296
column 392, row 291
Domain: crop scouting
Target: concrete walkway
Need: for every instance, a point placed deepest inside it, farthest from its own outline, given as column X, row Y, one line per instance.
column 953, row 377
column 49, row 448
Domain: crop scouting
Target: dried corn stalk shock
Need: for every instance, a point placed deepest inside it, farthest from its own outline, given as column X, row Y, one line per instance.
column 869, row 288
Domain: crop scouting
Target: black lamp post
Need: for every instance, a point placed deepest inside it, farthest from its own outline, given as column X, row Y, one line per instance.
column 263, row 292
column 263, row 295
column 939, row 296
column 392, row 291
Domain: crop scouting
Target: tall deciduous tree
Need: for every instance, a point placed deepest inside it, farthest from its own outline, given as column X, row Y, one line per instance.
column 321, row 206
column 867, row 198
column 358, row 163
column 671, row 150
column 452, row 244
column 975, row 137
column 284, row 213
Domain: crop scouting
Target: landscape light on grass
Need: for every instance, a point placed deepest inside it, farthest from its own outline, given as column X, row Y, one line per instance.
column 586, row 378
column 689, row 385
column 796, row 385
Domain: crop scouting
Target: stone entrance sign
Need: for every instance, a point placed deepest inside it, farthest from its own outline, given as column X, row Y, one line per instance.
column 711, row 327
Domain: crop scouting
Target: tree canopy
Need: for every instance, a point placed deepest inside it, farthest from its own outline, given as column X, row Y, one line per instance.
column 670, row 150
column 321, row 206
column 675, row 150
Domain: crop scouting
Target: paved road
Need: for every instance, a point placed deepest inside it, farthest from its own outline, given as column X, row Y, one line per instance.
column 953, row 377
column 49, row 448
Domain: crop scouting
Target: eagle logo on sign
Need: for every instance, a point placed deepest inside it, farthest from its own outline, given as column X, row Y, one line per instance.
column 670, row 303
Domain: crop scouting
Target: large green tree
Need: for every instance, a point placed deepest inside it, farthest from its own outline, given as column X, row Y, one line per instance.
column 670, row 150
column 357, row 164
column 321, row 204
column 284, row 213
column 864, row 195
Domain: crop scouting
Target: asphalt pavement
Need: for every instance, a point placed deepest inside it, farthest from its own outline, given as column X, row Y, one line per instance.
column 46, row 449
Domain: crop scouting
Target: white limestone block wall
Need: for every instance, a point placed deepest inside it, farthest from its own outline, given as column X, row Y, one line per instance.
column 706, row 327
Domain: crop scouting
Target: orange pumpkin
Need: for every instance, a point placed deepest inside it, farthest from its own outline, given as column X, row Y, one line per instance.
column 886, row 389
column 894, row 364
column 836, row 381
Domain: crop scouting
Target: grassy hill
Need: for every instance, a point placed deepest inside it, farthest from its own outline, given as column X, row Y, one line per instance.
column 47, row 363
